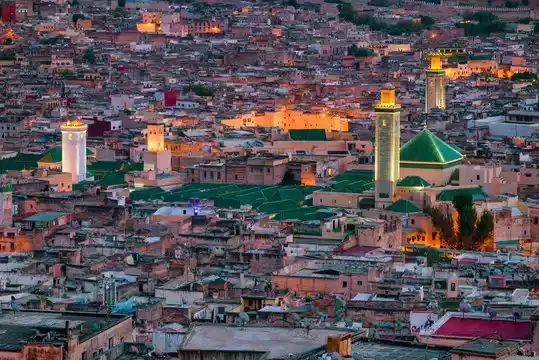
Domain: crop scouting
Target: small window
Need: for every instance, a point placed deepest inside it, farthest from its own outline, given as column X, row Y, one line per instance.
column 345, row 284
column 85, row 355
column 536, row 220
column 360, row 282
column 478, row 177
column 412, row 221
column 111, row 342
column 235, row 177
column 218, row 176
column 268, row 170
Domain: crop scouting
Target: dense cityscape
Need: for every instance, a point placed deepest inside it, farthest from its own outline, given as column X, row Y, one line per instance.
column 269, row 179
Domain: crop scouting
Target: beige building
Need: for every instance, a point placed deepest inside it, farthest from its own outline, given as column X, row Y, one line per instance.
column 288, row 119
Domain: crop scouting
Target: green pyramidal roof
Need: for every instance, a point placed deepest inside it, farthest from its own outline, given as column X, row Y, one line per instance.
column 426, row 147
column 413, row 181
column 403, row 206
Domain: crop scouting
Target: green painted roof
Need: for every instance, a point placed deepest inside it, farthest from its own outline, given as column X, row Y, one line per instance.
column 54, row 155
column 304, row 213
column 367, row 201
column 356, row 175
column 146, row 194
column 413, row 181
column 308, row 135
column 273, row 207
column 426, row 147
column 45, row 216
column 448, row 195
column 20, row 161
column 403, row 206
column 112, row 179
column 480, row 57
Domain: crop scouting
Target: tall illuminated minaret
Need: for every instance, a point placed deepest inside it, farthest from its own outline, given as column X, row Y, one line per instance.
column 387, row 147
column 74, row 149
column 435, row 90
column 157, row 158
column 156, row 137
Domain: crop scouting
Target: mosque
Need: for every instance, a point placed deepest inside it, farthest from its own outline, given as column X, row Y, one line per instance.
column 424, row 161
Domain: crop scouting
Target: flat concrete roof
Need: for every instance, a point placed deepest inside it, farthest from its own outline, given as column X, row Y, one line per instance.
column 375, row 351
column 277, row 341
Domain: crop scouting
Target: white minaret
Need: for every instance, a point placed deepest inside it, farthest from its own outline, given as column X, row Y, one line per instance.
column 74, row 149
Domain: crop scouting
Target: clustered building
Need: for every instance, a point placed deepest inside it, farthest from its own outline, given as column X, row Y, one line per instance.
column 268, row 180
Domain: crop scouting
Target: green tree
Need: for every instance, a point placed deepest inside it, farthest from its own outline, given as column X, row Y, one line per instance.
column 121, row 3
column 511, row 4
column 427, row 22
column 524, row 76
column 359, row 52
column 484, row 17
column 288, row 179
column 443, row 222
column 89, row 56
column 347, row 12
column 468, row 16
column 76, row 17
column 404, row 27
column 485, row 228
column 8, row 41
column 119, row 12
column 380, row 3
column 7, row 55
column 75, row 3
column 200, row 90
column 473, row 234
column 293, row 3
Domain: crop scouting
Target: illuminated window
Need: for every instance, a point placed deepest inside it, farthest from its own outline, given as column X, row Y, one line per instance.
column 70, row 137
column 384, row 123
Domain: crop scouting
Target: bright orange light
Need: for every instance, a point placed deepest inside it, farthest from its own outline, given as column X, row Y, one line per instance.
column 433, row 35
column 145, row 28
column 435, row 63
column 215, row 30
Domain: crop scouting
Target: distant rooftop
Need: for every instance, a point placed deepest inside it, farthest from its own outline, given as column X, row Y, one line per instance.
column 276, row 341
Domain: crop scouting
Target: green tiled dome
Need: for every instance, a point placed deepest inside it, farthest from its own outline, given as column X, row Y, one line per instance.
column 427, row 148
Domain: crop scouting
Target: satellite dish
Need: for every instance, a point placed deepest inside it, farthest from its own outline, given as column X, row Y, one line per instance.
column 243, row 318
column 491, row 313
column 464, row 308
column 516, row 314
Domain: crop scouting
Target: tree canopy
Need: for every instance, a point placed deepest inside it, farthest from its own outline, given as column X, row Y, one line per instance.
column 89, row 56
column 360, row 52
column 524, row 76
column 481, row 23
column 76, row 18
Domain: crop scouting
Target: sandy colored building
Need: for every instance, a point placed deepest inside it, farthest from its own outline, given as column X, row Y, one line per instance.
column 288, row 119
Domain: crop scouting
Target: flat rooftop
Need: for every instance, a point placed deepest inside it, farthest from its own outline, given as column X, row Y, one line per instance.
column 375, row 351
column 278, row 342
column 22, row 325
